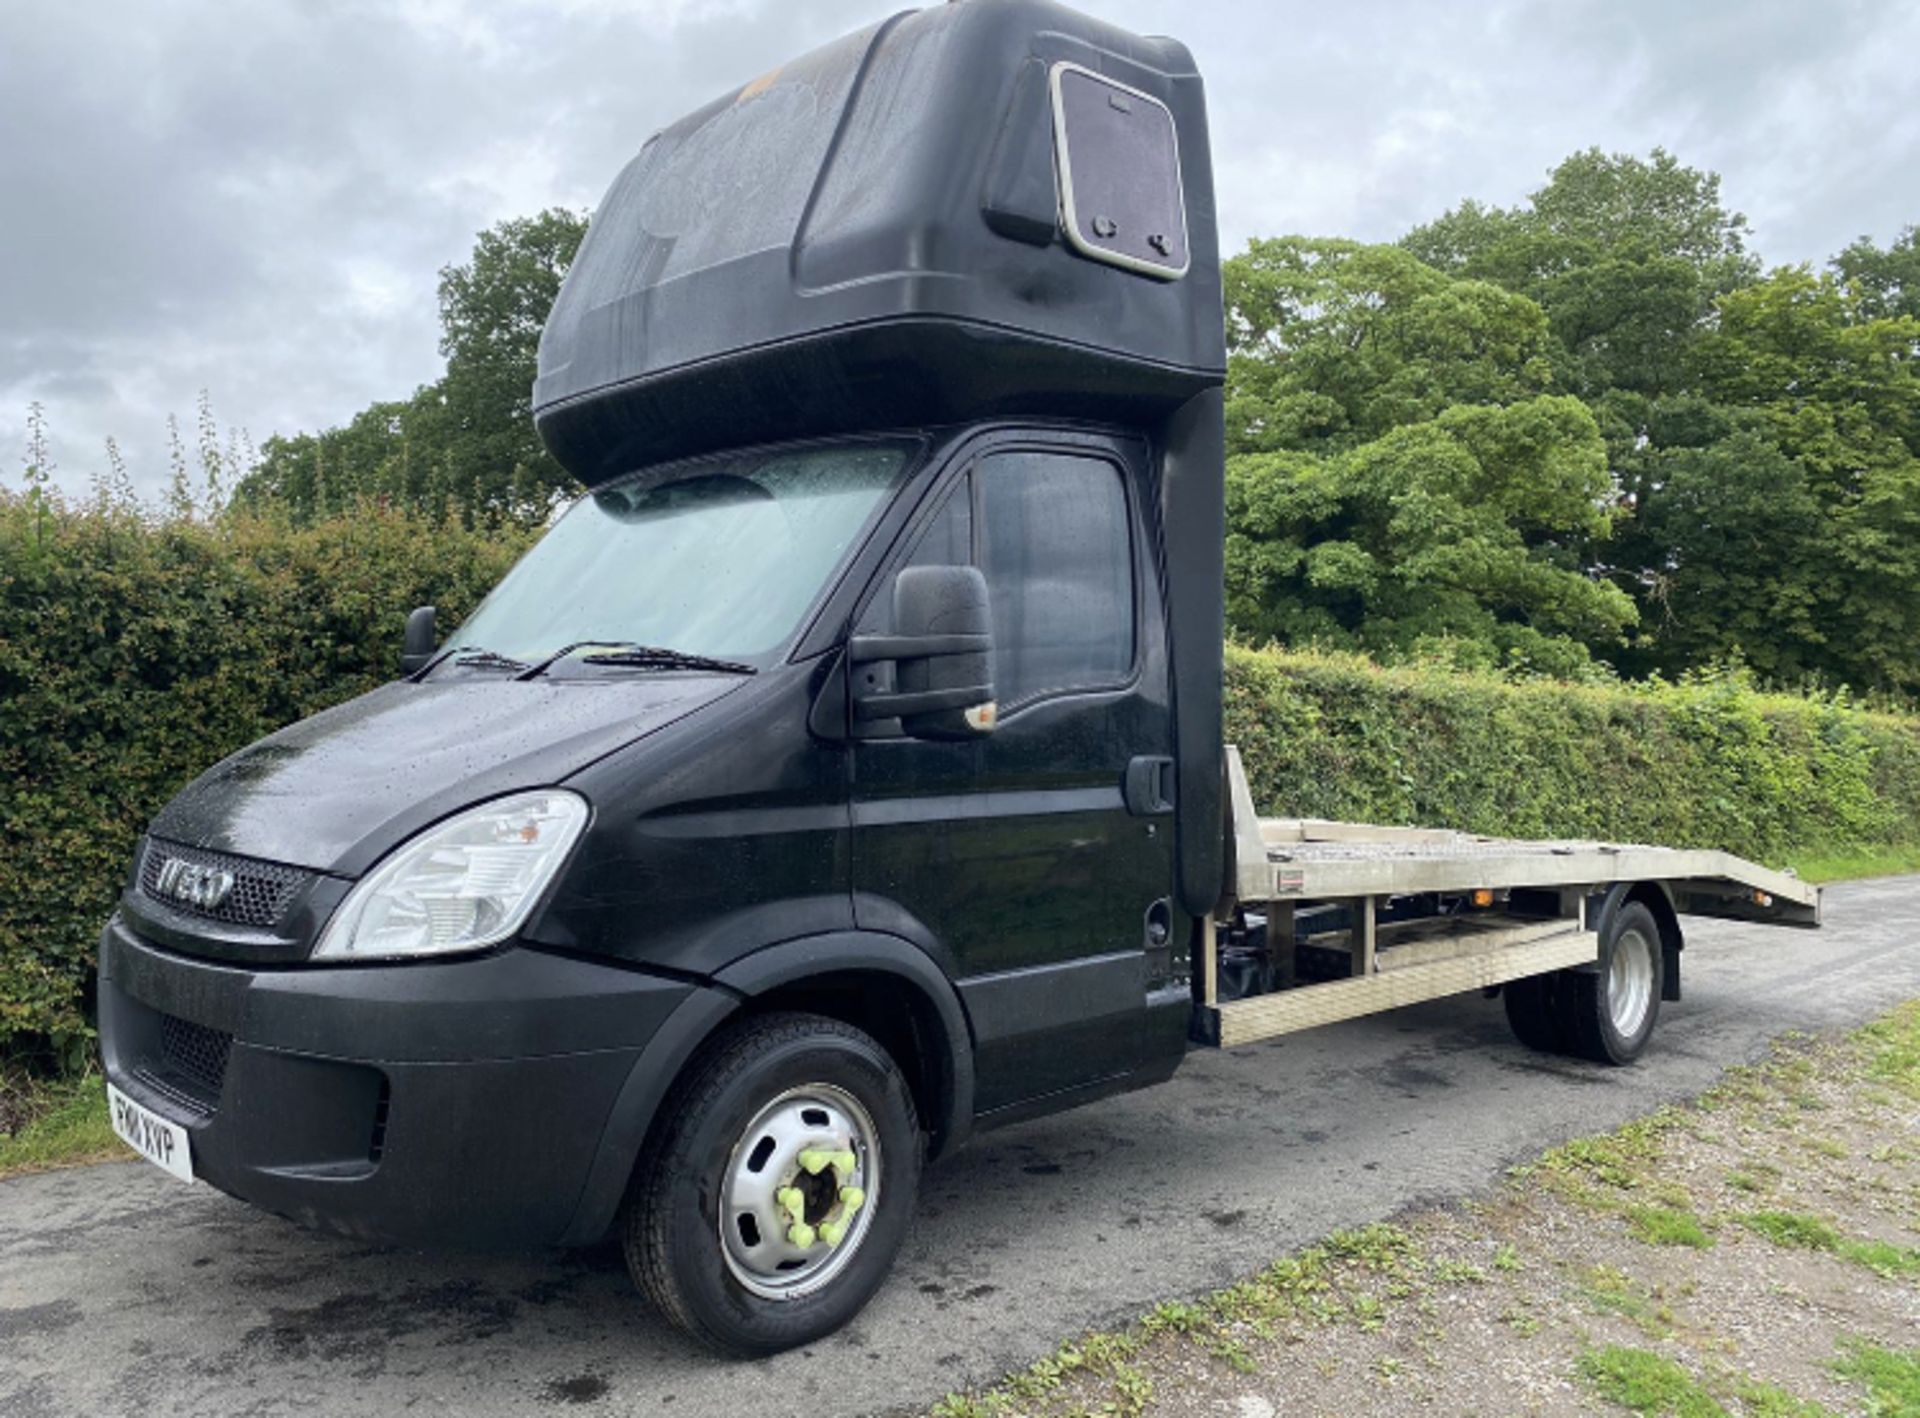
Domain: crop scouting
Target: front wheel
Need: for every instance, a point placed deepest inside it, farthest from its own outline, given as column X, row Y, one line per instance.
column 773, row 1199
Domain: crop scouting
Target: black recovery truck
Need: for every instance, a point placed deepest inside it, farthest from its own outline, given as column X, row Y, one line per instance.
column 843, row 773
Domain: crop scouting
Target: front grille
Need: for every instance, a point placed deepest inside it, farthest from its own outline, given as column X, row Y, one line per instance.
column 195, row 1054
column 185, row 1063
column 383, row 1106
column 188, row 1101
column 261, row 893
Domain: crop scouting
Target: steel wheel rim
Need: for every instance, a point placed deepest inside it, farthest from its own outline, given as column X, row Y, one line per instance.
column 1630, row 983
column 765, row 1169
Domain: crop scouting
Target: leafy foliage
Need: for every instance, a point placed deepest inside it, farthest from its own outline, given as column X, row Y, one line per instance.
column 134, row 654
column 1624, row 256
column 1708, row 762
column 1884, row 284
column 1760, row 429
column 1400, row 477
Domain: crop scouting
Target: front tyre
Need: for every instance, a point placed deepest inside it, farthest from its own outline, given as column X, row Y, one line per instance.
column 775, row 1195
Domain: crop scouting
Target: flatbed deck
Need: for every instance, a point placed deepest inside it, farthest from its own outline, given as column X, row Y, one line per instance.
column 1279, row 859
column 1528, row 900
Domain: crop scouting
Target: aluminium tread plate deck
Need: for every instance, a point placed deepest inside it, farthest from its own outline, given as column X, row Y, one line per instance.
column 1355, row 864
column 1286, row 860
column 1302, row 859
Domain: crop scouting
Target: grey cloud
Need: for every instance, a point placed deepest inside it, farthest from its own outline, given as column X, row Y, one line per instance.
column 256, row 199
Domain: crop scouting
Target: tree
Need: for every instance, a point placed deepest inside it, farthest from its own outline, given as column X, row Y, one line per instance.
column 1838, row 393
column 1401, row 479
column 1625, row 255
column 492, row 310
column 1760, row 431
column 1882, row 284
column 1738, row 571
column 1333, row 343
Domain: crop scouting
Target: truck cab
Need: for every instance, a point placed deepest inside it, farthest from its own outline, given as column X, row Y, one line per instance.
column 840, row 774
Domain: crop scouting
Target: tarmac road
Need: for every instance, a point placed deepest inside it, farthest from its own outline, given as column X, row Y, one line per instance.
column 123, row 1292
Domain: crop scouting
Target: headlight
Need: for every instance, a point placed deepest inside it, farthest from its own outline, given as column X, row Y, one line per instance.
column 463, row 884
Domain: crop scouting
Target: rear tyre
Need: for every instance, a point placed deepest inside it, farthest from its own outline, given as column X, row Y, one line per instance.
column 1608, row 1014
column 1534, row 1014
column 775, row 1194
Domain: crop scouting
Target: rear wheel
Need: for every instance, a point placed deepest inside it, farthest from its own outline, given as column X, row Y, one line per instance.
column 1533, row 1014
column 774, row 1197
column 1606, row 1014
column 1610, row 1012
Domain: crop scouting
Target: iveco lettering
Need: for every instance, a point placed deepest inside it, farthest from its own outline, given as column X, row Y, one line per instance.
column 843, row 773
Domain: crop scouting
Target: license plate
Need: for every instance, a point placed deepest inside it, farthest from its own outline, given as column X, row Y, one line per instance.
column 161, row 1142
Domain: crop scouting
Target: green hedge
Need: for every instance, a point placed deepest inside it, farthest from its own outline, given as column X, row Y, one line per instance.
column 133, row 655
column 1709, row 763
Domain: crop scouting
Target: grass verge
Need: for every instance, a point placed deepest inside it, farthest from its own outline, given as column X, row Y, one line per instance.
column 1749, row 1255
column 1891, row 1377
column 1863, row 862
column 47, row 1125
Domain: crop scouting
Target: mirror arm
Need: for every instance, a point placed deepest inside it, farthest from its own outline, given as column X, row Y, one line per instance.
column 926, row 701
column 864, row 649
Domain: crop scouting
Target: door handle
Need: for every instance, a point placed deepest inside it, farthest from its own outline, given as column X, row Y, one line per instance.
column 1148, row 789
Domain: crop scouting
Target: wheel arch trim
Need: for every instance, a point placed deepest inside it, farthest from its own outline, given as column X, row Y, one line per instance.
column 730, row 991
column 1657, row 897
column 872, row 952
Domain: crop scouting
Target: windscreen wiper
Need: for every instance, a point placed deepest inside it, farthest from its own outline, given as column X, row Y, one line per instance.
column 489, row 660
column 631, row 655
column 477, row 656
column 656, row 657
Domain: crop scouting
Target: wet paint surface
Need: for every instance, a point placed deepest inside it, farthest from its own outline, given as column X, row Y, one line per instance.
column 336, row 790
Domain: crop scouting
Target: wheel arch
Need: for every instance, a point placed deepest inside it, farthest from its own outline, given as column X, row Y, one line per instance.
column 881, row 984
column 889, row 988
column 1657, row 897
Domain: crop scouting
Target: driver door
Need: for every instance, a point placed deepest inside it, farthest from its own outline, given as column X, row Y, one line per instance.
column 1019, row 854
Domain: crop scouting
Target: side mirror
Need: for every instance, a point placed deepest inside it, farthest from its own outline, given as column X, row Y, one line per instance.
column 942, row 652
column 416, row 650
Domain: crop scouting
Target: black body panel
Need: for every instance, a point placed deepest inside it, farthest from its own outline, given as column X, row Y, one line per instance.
column 461, row 1103
column 1016, row 856
column 1193, row 529
column 337, row 791
column 868, row 236
column 724, row 836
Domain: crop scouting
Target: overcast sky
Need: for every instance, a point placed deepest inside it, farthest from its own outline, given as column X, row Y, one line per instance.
column 255, row 198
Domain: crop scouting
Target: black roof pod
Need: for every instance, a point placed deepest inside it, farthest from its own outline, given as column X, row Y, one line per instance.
column 984, row 208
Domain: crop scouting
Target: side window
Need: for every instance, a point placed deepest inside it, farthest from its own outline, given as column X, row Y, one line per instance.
column 1055, row 544
column 1051, row 533
column 946, row 541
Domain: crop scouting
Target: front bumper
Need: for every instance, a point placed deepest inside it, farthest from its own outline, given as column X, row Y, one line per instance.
column 455, row 1103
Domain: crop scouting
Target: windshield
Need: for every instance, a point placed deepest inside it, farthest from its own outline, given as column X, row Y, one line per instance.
column 719, row 558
